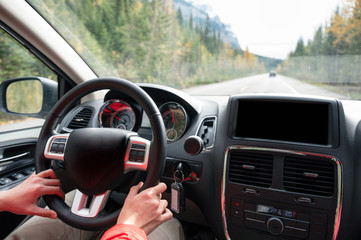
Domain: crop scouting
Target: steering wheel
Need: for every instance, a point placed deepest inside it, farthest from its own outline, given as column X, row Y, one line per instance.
column 99, row 159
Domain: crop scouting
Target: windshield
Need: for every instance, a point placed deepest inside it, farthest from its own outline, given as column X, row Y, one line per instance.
column 233, row 47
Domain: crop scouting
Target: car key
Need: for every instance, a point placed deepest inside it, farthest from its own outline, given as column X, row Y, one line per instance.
column 177, row 194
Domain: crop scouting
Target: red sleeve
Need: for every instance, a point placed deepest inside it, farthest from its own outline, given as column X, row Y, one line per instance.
column 124, row 232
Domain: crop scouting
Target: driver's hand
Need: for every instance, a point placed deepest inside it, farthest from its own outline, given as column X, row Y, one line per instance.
column 22, row 199
column 146, row 209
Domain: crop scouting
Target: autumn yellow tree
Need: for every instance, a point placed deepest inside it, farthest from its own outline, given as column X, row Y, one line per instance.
column 354, row 26
column 339, row 29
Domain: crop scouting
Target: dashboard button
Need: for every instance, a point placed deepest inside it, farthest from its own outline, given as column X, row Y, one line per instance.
column 236, row 212
column 237, row 203
column 5, row 181
column 17, row 176
column 275, row 226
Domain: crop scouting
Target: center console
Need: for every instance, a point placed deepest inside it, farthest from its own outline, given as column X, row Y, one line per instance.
column 271, row 188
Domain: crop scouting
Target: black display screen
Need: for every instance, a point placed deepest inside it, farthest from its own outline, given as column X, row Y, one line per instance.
column 305, row 122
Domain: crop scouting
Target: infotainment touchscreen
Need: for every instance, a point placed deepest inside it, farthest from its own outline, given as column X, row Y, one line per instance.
column 305, row 122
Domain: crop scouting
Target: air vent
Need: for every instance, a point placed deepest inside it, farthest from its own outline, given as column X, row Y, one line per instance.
column 309, row 175
column 250, row 168
column 206, row 132
column 81, row 119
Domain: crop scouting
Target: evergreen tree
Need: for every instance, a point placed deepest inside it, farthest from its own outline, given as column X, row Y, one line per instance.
column 316, row 46
column 300, row 48
column 191, row 21
column 179, row 16
column 206, row 31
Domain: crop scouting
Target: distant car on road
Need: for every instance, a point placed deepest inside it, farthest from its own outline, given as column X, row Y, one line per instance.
column 272, row 74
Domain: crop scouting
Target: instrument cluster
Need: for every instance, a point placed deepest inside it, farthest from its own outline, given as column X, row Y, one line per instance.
column 117, row 113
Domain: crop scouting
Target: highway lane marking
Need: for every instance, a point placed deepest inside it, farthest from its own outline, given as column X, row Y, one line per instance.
column 243, row 89
column 288, row 86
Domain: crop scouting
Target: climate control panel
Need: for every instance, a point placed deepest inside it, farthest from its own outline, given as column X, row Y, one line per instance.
column 278, row 221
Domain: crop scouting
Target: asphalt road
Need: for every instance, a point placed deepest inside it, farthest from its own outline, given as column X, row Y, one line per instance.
column 262, row 84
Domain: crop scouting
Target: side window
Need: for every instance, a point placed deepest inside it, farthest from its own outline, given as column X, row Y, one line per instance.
column 16, row 61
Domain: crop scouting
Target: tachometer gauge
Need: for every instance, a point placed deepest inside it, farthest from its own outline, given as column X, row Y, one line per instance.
column 117, row 114
column 175, row 120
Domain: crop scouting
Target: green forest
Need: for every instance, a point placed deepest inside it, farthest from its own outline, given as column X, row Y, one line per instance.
column 149, row 41
column 333, row 57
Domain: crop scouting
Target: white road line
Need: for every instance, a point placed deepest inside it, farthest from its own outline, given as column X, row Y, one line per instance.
column 288, row 86
column 243, row 89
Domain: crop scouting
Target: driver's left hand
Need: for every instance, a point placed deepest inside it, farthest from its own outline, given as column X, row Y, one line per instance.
column 22, row 199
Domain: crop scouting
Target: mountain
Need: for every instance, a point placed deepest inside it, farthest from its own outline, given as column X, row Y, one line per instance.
column 199, row 17
column 200, row 14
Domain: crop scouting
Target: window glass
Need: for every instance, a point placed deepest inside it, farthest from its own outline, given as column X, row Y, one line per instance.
column 16, row 61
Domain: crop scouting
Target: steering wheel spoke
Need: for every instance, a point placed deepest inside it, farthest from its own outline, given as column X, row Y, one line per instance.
column 55, row 146
column 88, row 206
column 137, row 154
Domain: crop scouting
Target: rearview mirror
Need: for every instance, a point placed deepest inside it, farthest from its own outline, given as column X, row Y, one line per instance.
column 28, row 96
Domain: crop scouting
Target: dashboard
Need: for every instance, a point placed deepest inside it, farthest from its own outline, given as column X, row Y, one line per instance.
column 268, row 167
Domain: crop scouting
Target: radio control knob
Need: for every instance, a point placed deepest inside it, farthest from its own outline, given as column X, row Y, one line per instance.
column 275, row 226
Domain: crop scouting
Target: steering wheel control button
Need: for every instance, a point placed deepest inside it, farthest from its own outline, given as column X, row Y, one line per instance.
column 55, row 147
column 136, row 157
column 275, row 226
column 137, row 152
column 133, row 155
column 140, row 156
column 138, row 146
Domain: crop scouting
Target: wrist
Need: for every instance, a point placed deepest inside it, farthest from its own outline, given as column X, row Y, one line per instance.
column 127, row 222
column 3, row 198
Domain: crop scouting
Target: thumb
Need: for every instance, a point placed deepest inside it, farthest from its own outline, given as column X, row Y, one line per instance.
column 135, row 189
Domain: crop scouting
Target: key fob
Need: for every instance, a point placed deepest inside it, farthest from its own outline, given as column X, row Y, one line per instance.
column 177, row 197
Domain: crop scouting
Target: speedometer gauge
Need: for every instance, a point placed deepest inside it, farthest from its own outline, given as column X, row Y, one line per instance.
column 175, row 120
column 117, row 114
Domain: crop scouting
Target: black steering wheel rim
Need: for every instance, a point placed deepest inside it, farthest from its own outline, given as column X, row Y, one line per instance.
column 157, row 153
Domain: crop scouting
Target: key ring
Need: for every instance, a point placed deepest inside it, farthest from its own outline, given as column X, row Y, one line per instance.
column 176, row 179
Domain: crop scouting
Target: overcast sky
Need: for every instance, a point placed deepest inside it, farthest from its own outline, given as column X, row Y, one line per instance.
column 272, row 28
